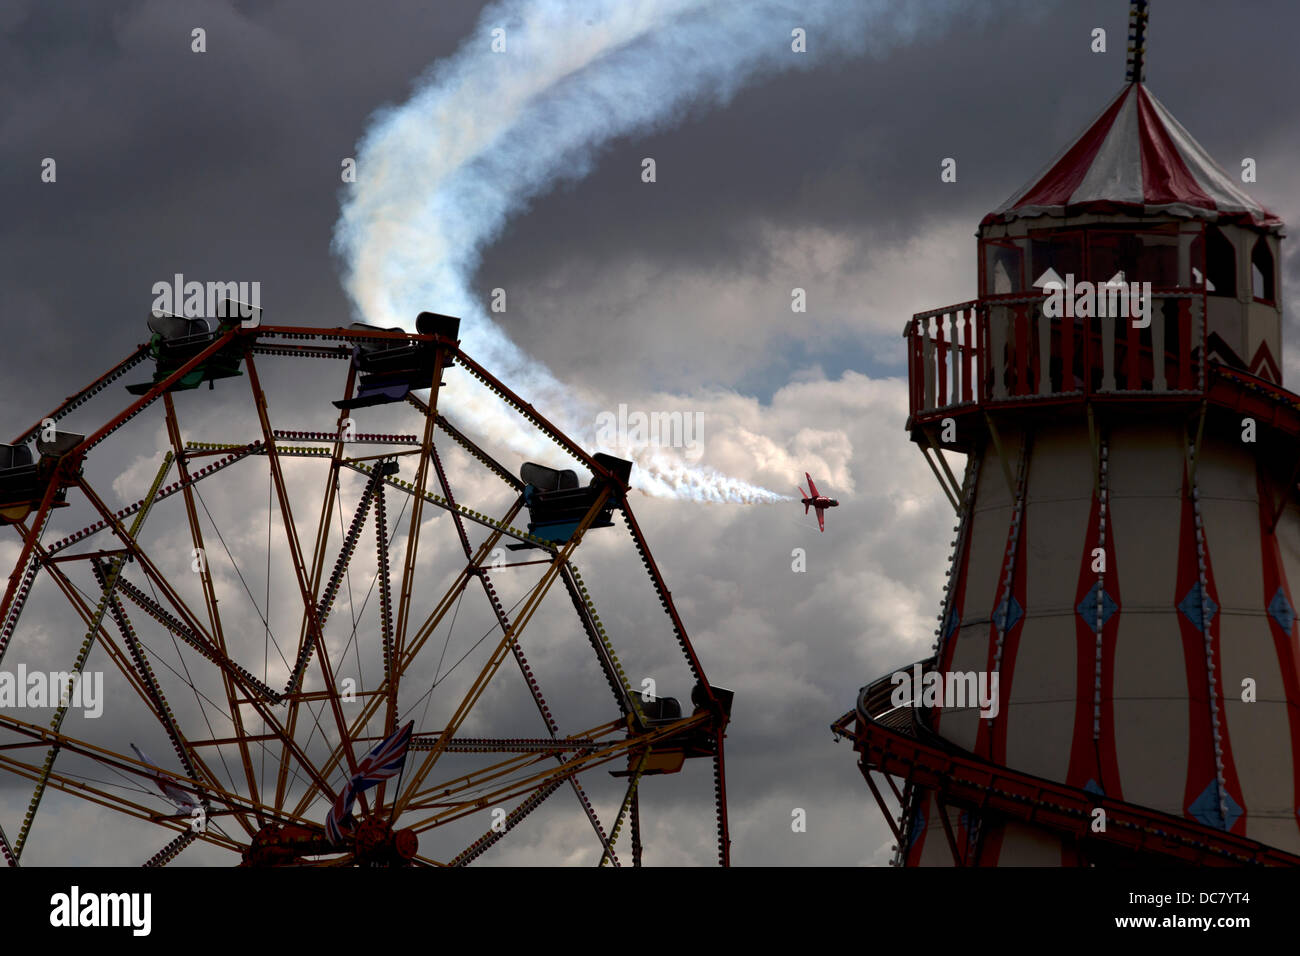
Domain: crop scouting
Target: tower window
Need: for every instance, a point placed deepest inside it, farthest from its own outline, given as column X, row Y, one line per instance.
column 1220, row 263
column 1004, row 267
column 1261, row 271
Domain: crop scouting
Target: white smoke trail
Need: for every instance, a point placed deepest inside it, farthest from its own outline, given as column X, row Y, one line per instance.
column 486, row 132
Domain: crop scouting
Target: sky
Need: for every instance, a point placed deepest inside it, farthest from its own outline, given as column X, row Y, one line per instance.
column 821, row 174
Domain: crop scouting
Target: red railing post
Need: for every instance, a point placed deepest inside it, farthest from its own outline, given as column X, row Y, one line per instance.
column 1185, row 379
column 1067, row 354
column 915, row 372
column 941, row 359
column 1203, row 385
column 1035, row 329
column 968, row 352
column 1133, row 340
column 1086, row 332
column 1022, row 349
column 982, row 357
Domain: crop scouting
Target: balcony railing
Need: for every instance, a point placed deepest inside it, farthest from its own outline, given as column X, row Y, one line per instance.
column 1005, row 349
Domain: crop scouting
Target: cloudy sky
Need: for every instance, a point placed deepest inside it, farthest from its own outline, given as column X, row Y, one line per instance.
column 818, row 170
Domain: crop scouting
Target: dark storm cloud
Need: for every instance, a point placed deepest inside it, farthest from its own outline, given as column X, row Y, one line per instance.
column 226, row 164
column 217, row 165
column 854, row 147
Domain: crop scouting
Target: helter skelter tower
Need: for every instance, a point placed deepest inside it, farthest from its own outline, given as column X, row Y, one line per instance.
column 1128, row 534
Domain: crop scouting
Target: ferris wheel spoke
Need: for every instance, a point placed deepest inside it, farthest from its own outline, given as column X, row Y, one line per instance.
column 315, row 634
column 160, row 581
column 179, row 629
column 26, row 581
column 534, row 417
column 470, row 446
column 125, row 667
column 68, row 783
column 153, row 695
column 633, row 782
column 720, row 804
column 666, row 598
column 10, row 602
column 413, row 534
column 512, row 820
column 317, row 568
column 525, row 771
column 7, row 851
column 80, row 397
column 86, row 613
column 234, row 804
column 628, row 701
column 527, row 754
column 406, row 659
column 503, row 621
column 236, row 453
column 498, row 655
column 171, row 850
column 83, row 654
column 156, row 391
column 636, row 828
column 471, row 785
column 210, row 599
column 450, row 810
column 384, row 576
column 341, row 563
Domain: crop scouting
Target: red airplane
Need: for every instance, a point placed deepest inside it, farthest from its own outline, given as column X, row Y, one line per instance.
column 816, row 500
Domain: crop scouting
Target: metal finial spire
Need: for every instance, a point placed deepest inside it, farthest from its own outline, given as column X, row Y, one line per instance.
column 1137, row 41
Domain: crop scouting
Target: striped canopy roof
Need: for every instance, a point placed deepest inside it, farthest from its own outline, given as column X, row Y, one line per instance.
column 1135, row 158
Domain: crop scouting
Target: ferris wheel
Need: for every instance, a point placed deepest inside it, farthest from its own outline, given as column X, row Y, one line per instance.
column 345, row 630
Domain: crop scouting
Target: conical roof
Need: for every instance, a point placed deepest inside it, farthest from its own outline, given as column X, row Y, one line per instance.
column 1135, row 158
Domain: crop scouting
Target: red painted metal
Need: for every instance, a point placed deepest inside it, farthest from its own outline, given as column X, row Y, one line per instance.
column 1066, row 383
column 1133, row 345
column 969, row 351
column 965, row 780
column 941, row 356
column 1185, row 377
column 29, row 542
column 151, row 396
column 1021, row 320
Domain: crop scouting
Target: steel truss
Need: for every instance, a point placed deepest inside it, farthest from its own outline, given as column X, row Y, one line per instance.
column 274, row 814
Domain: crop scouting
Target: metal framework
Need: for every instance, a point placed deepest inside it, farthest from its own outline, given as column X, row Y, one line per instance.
column 897, row 743
column 271, row 756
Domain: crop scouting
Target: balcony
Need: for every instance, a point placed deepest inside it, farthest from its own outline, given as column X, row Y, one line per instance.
column 1005, row 351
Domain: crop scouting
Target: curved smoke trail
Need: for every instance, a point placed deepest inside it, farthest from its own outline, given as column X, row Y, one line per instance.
column 485, row 132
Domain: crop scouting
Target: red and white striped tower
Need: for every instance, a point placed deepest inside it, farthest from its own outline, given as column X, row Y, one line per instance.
column 1128, row 542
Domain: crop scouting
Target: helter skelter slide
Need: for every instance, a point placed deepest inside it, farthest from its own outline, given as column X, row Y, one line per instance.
column 1128, row 525
column 337, row 714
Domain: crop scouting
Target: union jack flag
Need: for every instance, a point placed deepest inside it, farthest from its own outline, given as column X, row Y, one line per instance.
column 385, row 761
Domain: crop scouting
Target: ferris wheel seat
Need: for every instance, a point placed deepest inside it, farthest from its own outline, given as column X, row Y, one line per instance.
column 15, row 456
column 24, row 479
column 382, row 392
column 392, row 368
column 547, row 479
column 177, row 339
column 557, row 504
column 59, row 445
column 176, row 328
column 661, row 710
